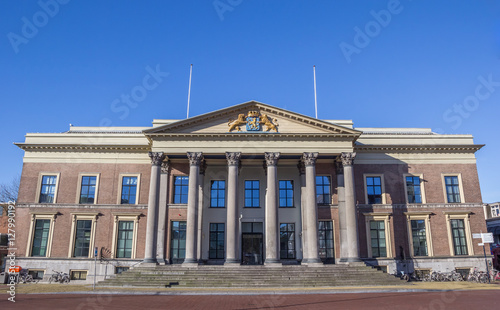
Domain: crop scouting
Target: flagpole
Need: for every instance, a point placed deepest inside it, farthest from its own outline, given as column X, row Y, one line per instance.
column 315, row 97
column 189, row 89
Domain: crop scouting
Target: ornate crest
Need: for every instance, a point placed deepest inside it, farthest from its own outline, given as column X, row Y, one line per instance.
column 254, row 121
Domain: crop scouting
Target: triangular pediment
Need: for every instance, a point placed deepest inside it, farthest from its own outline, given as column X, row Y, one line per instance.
column 252, row 118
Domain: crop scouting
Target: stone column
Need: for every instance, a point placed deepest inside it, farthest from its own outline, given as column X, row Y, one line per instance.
column 201, row 180
column 303, row 226
column 271, row 212
column 233, row 161
column 154, row 195
column 192, row 208
column 311, row 210
column 341, row 211
column 350, row 208
column 162, row 214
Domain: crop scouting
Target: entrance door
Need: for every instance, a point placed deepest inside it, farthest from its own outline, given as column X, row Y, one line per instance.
column 251, row 249
column 178, row 242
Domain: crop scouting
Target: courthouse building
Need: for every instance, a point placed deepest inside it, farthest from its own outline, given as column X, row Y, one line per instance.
column 250, row 184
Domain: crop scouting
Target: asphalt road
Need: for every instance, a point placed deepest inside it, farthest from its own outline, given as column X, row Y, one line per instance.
column 477, row 299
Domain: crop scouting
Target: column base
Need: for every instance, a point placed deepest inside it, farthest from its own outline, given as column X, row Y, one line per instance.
column 272, row 262
column 231, row 262
column 350, row 260
column 161, row 261
column 149, row 261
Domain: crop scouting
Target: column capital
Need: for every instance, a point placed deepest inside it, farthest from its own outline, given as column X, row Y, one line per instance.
column 339, row 168
column 272, row 158
column 347, row 158
column 156, row 158
column 165, row 166
column 203, row 166
column 194, row 158
column 233, row 158
column 301, row 167
column 309, row 159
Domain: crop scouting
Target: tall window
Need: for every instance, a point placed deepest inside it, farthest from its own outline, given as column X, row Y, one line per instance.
column 377, row 235
column 218, row 194
column 41, row 237
column 452, row 188
column 325, row 230
column 287, row 240
column 252, row 194
column 216, row 250
column 87, row 191
column 181, row 186
column 48, row 189
column 82, row 238
column 459, row 239
column 129, row 190
column 323, row 189
column 178, row 242
column 413, row 189
column 419, row 237
column 125, row 239
column 374, row 190
column 286, row 193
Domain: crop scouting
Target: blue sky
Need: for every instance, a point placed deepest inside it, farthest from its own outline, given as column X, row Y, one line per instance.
column 381, row 63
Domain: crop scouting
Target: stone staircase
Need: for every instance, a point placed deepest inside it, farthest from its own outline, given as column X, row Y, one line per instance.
column 251, row 276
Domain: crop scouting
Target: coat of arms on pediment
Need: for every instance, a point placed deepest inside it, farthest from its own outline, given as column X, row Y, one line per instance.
column 253, row 121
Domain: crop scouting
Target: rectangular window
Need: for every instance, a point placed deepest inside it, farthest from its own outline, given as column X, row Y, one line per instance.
column 419, row 237
column 178, row 242
column 252, row 194
column 129, row 190
column 287, row 240
column 377, row 235
column 216, row 250
column 374, row 190
column 82, row 238
column 48, row 189
column 181, row 186
column 458, row 235
column 323, row 195
column 41, row 237
column 218, row 194
column 125, row 239
column 286, row 193
column 325, row 230
column 495, row 211
column 413, row 191
column 78, row 275
column 88, row 189
column 36, row 274
column 452, row 189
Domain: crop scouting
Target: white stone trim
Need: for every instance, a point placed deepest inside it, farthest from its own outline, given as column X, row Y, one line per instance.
column 428, row 236
column 78, row 217
column 460, row 186
column 39, row 184
column 79, row 188
column 120, row 183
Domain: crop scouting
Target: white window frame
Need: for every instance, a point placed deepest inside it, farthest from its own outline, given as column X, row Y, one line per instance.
column 41, row 216
column 422, row 186
column 460, row 186
column 125, row 217
column 382, row 183
column 120, row 183
column 414, row 216
column 79, row 217
column 495, row 210
column 379, row 216
column 79, row 188
column 78, row 270
column 459, row 215
column 39, row 185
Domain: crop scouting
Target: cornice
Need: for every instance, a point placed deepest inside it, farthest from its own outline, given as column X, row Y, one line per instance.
column 62, row 147
column 469, row 148
column 245, row 135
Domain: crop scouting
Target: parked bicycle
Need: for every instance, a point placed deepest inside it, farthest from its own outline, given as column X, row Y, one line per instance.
column 60, row 277
column 443, row 277
column 25, row 277
column 477, row 276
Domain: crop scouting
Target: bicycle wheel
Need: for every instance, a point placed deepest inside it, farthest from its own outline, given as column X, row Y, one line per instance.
column 65, row 280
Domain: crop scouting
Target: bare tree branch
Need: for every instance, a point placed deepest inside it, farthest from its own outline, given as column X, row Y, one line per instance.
column 9, row 191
